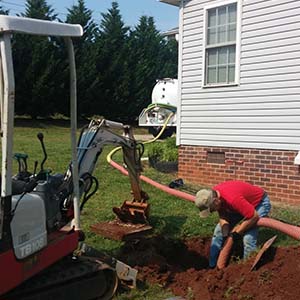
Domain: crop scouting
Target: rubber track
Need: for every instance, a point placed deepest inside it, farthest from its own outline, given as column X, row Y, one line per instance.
column 80, row 279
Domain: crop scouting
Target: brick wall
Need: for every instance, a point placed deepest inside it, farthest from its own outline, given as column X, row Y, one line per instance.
column 273, row 170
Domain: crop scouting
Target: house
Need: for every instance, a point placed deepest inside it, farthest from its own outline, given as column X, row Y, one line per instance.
column 239, row 91
column 171, row 34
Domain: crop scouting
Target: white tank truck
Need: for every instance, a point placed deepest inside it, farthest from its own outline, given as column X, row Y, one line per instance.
column 164, row 102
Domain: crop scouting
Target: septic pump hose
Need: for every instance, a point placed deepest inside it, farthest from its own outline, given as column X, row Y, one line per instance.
column 291, row 230
column 110, row 154
column 162, row 187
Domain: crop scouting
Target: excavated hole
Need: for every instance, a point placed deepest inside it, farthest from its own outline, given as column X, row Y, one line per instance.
column 166, row 254
column 182, row 267
column 159, row 260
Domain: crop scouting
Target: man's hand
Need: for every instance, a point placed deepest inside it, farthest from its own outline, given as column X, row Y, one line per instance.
column 235, row 236
column 225, row 228
column 224, row 240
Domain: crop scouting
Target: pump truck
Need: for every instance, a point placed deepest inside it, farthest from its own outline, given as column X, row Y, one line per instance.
column 40, row 231
column 164, row 104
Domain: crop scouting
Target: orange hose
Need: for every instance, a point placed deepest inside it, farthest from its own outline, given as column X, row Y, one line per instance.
column 162, row 187
column 225, row 253
column 291, row 230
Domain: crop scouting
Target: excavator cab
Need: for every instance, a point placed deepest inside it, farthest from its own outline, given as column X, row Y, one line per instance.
column 24, row 235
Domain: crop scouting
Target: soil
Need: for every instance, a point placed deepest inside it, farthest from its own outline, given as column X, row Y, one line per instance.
column 119, row 230
column 182, row 267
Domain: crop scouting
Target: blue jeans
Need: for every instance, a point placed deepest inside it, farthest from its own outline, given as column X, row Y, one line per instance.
column 249, row 237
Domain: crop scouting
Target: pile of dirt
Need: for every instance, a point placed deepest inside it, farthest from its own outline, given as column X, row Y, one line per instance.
column 182, row 266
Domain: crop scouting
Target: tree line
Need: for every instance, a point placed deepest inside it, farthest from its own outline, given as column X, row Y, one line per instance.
column 117, row 66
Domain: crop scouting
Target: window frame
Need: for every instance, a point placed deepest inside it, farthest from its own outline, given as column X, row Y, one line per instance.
column 237, row 43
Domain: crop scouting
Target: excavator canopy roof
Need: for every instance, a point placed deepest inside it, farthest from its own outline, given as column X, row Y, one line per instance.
column 38, row 27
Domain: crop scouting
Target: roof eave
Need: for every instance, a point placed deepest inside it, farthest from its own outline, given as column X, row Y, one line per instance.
column 172, row 2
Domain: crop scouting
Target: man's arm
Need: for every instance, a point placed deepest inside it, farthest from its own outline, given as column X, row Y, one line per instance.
column 246, row 224
column 225, row 227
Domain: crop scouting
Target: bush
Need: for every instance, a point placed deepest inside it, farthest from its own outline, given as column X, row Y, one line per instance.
column 165, row 151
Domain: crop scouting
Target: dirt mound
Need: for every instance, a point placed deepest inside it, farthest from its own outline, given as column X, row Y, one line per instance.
column 182, row 266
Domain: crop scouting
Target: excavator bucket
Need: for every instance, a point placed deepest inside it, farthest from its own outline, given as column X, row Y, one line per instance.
column 133, row 212
column 131, row 222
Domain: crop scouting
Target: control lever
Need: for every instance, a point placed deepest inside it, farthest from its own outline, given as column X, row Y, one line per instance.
column 35, row 166
column 31, row 184
column 22, row 161
column 41, row 138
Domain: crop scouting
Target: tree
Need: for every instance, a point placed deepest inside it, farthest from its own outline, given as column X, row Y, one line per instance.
column 80, row 14
column 116, row 69
column 85, row 55
column 3, row 11
column 36, row 66
column 39, row 9
column 146, row 63
column 112, row 83
column 169, row 55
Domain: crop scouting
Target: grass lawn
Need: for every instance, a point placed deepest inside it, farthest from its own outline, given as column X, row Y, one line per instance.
column 169, row 215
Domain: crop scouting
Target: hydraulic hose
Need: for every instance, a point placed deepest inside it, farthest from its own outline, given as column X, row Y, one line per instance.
column 291, row 230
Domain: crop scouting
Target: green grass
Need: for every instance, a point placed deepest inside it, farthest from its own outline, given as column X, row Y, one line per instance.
column 169, row 216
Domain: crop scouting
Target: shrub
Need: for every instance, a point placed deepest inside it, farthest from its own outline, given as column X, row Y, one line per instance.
column 166, row 150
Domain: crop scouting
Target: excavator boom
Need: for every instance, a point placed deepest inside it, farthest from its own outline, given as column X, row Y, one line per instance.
column 92, row 140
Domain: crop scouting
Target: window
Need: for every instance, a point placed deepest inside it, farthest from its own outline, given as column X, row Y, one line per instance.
column 221, row 45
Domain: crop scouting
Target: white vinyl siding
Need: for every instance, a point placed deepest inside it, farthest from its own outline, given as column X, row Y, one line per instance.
column 263, row 111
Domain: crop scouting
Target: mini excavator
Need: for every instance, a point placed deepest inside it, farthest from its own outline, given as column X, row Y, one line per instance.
column 42, row 254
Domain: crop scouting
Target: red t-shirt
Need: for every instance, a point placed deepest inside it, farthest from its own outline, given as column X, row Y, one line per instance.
column 239, row 196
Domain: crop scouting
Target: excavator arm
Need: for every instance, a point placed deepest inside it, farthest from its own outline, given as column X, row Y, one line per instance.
column 92, row 140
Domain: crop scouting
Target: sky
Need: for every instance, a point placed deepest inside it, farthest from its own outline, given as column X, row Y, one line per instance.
column 165, row 16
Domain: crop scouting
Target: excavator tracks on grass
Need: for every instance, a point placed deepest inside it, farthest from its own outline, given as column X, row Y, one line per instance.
column 80, row 278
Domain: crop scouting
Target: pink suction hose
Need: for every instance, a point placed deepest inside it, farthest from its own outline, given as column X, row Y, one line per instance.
column 162, row 187
column 291, row 230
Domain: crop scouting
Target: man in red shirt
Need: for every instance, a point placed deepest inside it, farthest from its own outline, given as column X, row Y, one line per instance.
column 239, row 205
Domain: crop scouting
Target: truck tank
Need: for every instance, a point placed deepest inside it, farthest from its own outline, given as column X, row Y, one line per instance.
column 164, row 102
